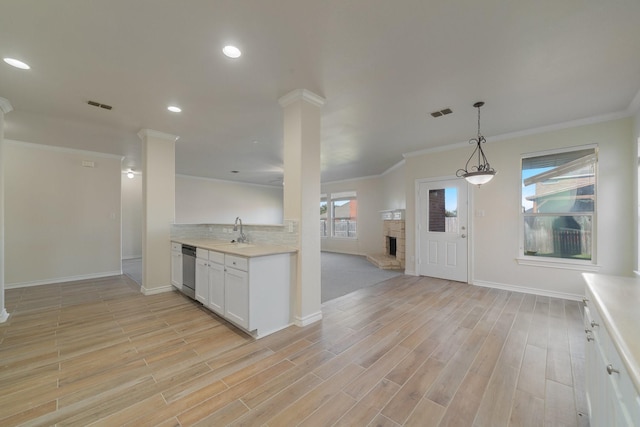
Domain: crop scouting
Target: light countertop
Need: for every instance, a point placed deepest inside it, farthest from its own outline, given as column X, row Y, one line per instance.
column 248, row 250
column 618, row 301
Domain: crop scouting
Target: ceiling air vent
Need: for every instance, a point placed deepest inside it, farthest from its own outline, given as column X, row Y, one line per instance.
column 97, row 104
column 443, row 112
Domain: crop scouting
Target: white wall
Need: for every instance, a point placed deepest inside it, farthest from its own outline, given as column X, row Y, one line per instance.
column 392, row 186
column 131, row 216
column 495, row 236
column 370, row 239
column 210, row 201
column 62, row 220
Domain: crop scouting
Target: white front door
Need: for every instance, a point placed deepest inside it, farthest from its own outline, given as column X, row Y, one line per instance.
column 443, row 229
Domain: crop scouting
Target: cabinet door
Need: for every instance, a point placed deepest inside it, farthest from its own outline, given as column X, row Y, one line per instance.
column 216, row 288
column 202, row 280
column 236, row 297
column 176, row 269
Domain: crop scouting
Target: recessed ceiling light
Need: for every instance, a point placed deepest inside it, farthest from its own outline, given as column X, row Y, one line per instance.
column 174, row 109
column 231, row 51
column 16, row 63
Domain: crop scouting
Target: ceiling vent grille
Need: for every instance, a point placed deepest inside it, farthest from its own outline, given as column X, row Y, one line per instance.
column 97, row 104
column 441, row 113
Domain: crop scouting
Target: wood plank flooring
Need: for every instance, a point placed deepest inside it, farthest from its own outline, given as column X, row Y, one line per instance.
column 411, row 351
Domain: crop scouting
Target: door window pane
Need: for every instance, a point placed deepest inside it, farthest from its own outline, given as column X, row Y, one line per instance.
column 443, row 210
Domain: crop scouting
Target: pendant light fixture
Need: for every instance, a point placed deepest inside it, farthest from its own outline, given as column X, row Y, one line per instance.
column 483, row 172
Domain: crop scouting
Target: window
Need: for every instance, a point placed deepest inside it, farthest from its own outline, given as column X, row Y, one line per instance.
column 323, row 216
column 558, row 204
column 339, row 213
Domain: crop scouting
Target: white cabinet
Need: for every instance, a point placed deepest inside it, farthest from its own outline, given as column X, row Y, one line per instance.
column 253, row 293
column 216, row 283
column 611, row 395
column 236, row 285
column 176, row 265
column 202, row 280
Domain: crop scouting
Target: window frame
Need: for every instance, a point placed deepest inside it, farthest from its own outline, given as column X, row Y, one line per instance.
column 559, row 262
column 330, row 199
column 327, row 227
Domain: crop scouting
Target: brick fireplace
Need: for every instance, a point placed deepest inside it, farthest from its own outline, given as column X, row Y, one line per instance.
column 392, row 231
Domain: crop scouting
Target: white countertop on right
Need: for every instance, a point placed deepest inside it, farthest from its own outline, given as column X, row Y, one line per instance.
column 618, row 300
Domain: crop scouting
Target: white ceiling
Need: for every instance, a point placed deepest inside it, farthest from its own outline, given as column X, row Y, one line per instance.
column 382, row 66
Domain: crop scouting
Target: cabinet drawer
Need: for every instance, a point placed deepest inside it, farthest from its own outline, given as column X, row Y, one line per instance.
column 217, row 257
column 176, row 246
column 202, row 253
column 237, row 262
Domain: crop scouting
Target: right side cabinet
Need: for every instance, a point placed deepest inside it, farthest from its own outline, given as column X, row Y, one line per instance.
column 257, row 292
column 611, row 394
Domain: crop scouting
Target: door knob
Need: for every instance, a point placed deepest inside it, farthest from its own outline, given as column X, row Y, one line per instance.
column 463, row 235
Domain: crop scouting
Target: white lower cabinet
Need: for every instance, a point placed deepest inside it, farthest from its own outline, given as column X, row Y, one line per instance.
column 216, row 288
column 611, row 395
column 236, row 286
column 252, row 293
column 176, row 265
column 202, row 280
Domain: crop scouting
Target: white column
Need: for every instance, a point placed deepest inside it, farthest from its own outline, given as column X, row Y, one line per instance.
column 302, row 196
column 158, row 209
column 5, row 107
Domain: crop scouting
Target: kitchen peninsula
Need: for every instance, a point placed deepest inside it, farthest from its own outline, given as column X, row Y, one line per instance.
column 248, row 284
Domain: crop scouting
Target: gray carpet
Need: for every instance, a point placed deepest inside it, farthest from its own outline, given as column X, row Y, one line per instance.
column 133, row 269
column 343, row 274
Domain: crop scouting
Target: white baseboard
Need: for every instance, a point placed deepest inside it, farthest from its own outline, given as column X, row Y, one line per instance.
column 62, row 279
column 309, row 319
column 4, row 316
column 527, row 290
column 410, row 273
column 157, row 290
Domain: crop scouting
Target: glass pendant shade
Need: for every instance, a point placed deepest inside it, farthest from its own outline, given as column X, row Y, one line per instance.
column 479, row 178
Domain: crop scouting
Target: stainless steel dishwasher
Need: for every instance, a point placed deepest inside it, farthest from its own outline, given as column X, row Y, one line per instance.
column 189, row 270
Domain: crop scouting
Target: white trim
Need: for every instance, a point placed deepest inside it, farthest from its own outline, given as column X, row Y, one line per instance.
column 150, row 133
column 204, row 178
column 394, row 167
column 4, row 316
column 156, row 290
column 634, row 106
column 33, row 145
column 124, row 258
column 527, row 290
column 5, row 106
column 301, row 94
column 529, row 132
column 410, row 272
column 308, row 319
column 62, row 279
column 563, row 265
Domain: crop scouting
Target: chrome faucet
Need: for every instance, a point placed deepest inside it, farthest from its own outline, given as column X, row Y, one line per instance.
column 242, row 238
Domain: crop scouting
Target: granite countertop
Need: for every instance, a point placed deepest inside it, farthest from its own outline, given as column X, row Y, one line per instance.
column 618, row 301
column 241, row 249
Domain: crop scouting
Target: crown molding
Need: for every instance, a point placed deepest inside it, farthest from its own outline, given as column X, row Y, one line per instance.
column 33, row 145
column 512, row 135
column 301, row 94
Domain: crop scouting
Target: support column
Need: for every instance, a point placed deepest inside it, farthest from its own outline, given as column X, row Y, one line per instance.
column 158, row 209
column 5, row 107
column 302, row 196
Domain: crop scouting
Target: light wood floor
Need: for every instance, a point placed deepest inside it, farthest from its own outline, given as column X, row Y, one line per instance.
column 411, row 351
